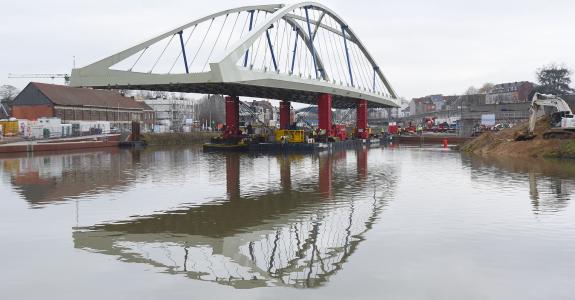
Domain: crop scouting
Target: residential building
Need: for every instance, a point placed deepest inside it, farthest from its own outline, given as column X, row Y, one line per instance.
column 377, row 113
column 262, row 112
column 402, row 111
column 512, row 92
column 422, row 105
column 451, row 102
column 438, row 101
column 405, row 113
column 41, row 100
column 171, row 112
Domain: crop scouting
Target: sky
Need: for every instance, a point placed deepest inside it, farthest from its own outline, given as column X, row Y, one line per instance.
column 423, row 47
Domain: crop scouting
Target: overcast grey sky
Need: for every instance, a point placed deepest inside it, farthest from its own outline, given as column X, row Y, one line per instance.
column 424, row 46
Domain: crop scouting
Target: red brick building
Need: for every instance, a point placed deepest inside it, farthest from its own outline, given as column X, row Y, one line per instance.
column 422, row 105
column 39, row 100
column 512, row 92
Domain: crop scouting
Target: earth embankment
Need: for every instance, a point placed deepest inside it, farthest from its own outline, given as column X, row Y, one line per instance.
column 503, row 144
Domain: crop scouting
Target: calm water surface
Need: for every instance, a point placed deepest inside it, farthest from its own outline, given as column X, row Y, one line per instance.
column 383, row 223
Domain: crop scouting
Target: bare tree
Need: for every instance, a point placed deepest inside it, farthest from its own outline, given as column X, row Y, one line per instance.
column 471, row 91
column 8, row 93
column 211, row 108
column 485, row 88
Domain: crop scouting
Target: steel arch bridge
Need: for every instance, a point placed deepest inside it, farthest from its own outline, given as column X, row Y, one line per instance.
column 286, row 52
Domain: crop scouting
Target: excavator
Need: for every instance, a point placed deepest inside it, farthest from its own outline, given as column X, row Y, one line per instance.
column 561, row 121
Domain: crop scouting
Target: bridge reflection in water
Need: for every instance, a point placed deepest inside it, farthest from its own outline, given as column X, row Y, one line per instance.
column 290, row 221
column 296, row 238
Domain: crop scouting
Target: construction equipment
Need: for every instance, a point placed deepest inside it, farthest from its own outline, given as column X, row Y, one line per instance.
column 66, row 77
column 561, row 121
column 10, row 127
column 290, row 136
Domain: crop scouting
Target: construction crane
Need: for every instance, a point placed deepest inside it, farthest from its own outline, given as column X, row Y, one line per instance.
column 51, row 76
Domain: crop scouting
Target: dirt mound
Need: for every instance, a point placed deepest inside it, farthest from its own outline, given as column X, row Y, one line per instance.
column 503, row 144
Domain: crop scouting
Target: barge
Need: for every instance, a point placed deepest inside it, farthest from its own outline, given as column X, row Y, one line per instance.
column 102, row 141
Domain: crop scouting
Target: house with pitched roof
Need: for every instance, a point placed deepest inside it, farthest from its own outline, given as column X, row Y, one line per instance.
column 41, row 100
column 511, row 92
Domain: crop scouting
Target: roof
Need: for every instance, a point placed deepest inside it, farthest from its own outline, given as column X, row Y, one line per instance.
column 70, row 96
column 144, row 105
column 507, row 87
column 423, row 100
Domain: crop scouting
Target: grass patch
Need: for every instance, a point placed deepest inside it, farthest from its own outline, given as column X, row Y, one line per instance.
column 566, row 150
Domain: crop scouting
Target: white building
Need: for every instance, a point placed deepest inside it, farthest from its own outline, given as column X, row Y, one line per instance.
column 172, row 113
column 261, row 112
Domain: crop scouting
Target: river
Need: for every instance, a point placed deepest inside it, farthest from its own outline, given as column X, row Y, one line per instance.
column 380, row 223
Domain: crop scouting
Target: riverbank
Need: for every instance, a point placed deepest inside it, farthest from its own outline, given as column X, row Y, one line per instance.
column 62, row 144
column 503, row 144
column 179, row 138
column 431, row 139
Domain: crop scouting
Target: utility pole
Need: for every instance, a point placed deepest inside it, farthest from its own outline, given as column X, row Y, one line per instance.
column 210, row 109
column 118, row 116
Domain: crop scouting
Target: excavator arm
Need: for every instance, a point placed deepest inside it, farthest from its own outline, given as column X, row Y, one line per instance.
column 540, row 101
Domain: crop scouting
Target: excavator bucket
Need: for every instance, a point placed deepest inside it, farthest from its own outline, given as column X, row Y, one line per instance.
column 524, row 137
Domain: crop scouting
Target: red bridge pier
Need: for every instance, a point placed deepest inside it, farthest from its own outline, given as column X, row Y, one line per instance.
column 361, row 119
column 285, row 115
column 232, row 116
column 324, row 114
column 285, row 172
column 361, row 157
column 233, row 176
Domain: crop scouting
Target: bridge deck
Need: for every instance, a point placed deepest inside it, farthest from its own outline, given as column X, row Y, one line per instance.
column 252, row 91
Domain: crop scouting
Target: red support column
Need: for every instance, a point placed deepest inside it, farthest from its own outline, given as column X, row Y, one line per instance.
column 233, row 176
column 232, row 116
column 324, row 113
column 361, row 124
column 325, row 176
column 285, row 172
column 285, row 115
column 361, row 157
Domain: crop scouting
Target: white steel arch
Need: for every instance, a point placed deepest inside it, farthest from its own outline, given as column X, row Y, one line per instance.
column 226, row 77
